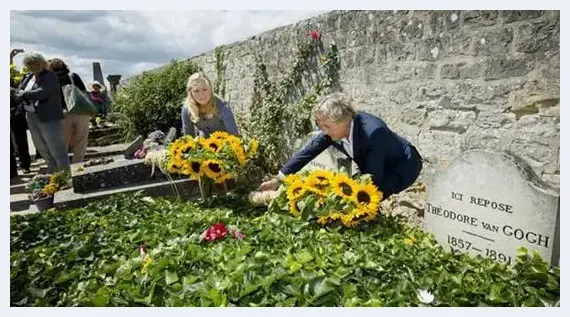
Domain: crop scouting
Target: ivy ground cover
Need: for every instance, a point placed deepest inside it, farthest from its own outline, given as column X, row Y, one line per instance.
column 137, row 251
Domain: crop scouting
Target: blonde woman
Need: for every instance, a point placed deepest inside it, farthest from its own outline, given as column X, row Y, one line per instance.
column 204, row 113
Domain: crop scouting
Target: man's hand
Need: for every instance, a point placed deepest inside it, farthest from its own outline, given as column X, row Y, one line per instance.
column 271, row 184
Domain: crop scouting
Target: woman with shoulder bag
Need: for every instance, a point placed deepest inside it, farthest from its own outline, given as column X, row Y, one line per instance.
column 76, row 121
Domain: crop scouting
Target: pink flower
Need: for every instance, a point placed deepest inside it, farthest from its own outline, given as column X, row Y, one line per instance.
column 236, row 233
column 315, row 35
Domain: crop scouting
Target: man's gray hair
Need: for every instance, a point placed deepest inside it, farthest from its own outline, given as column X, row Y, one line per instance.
column 335, row 107
column 33, row 58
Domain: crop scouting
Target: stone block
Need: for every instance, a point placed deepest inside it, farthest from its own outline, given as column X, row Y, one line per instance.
column 521, row 15
column 539, row 36
column 480, row 18
column 460, row 71
column 399, row 51
column 491, row 204
column 451, row 120
column 497, row 68
column 494, row 42
column 443, row 21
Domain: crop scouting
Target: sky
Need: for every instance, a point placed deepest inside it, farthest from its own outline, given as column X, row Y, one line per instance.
column 129, row 42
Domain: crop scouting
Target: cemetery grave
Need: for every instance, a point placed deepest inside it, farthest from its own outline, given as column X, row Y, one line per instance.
column 135, row 231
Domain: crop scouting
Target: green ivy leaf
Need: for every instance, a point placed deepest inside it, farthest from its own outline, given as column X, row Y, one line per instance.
column 171, row 277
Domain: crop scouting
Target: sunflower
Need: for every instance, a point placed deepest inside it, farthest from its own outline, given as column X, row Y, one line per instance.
column 213, row 145
column 323, row 220
column 344, row 186
column 219, row 135
column 295, row 190
column 186, row 148
column 175, row 165
column 212, row 168
column 293, row 208
column 319, row 181
column 362, row 214
column 239, row 152
column 289, row 179
column 346, row 219
column 195, row 168
column 368, row 197
column 223, row 177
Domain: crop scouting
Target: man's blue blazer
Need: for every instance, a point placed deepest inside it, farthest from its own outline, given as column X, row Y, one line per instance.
column 391, row 160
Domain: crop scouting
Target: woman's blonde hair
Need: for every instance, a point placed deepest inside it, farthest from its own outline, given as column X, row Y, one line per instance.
column 193, row 109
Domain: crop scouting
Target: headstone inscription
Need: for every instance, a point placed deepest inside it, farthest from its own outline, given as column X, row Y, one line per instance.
column 491, row 204
column 330, row 159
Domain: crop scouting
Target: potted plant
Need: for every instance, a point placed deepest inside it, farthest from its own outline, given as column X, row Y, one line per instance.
column 43, row 187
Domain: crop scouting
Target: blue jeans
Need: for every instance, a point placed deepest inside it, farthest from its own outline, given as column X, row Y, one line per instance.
column 49, row 140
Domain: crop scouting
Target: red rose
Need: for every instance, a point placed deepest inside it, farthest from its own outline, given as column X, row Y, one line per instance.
column 315, row 35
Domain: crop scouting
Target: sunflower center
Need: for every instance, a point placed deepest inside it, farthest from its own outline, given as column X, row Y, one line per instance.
column 297, row 190
column 214, row 167
column 320, row 186
column 346, row 189
column 363, row 197
column 186, row 150
column 195, row 167
column 214, row 146
column 322, row 179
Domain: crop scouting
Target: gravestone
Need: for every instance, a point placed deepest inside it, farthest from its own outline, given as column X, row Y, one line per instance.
column 170, row 136
column 133, row 147
column 330, row 159
column 491, row 204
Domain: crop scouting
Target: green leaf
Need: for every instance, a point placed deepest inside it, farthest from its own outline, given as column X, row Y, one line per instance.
column 171, row 277
column 304, row 257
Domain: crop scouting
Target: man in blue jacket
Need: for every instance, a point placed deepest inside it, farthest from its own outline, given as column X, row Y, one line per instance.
column 392, row 161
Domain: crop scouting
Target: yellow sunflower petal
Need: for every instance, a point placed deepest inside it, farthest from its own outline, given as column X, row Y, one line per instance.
column 295, row 190
column 212, row 168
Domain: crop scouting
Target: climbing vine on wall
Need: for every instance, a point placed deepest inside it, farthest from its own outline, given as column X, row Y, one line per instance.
column 220, row 84
column 279, row 113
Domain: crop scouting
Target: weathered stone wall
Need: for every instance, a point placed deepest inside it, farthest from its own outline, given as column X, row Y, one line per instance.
column 449, row 81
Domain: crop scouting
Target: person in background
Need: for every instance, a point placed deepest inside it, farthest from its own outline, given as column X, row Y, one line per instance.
column 18, row 125
column 391, row 160
column 99, row 100
column 76, row 125
column 203, row 112
column 40, row 93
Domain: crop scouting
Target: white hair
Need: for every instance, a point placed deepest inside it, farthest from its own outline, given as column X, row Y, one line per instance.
column 335, row 107
column 33, row 58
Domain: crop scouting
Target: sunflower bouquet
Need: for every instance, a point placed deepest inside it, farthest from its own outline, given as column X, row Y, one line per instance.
column 329, row 197
column 216, row 159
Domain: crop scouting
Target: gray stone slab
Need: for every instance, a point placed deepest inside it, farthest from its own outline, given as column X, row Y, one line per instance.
column 95, row 133
column 133, row 147
column 170, row 136
column 119, row 173
column 109, row 150
column 491, row 204
column 186, row 188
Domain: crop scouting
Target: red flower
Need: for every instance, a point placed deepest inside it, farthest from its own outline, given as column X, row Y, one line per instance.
column 315, row 35
column 217, row 231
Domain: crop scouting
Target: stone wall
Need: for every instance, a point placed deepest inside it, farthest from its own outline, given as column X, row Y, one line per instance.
column 449, row 81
